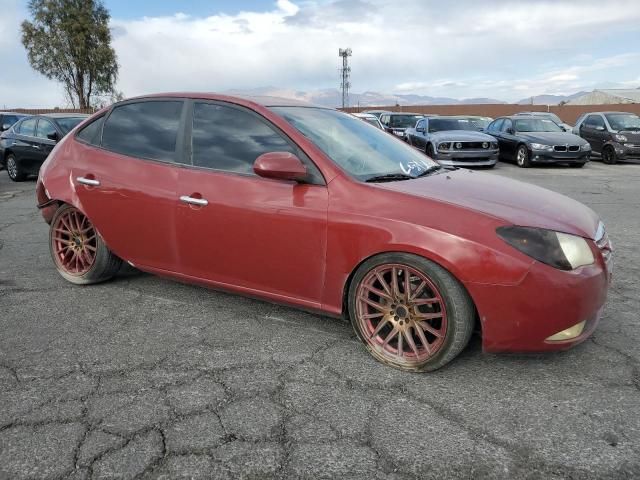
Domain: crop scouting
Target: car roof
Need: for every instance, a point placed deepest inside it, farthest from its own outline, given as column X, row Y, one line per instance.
column 63, row 115
column 16, row 113
column 610, row 112
column 364, row 115
column 407, row 113
column 262, row 100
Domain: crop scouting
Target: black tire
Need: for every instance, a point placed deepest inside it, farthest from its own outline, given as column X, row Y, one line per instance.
column 430, row 151
column 14, row 170
column 460, row 310
column 609, row 155
column 523, row 158
column 105, row 264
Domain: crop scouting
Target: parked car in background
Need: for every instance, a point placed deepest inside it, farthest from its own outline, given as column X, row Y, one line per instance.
column 397, row 123
column 26, row 145
column 369, row 118
column 377, row 113
column 7, row 119
column 549, row 116
column 613, row 135
column 529, row 140
column 454, row 141
column 323, row 212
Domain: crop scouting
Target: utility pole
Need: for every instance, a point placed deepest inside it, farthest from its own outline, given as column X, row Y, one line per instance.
column 345, row 53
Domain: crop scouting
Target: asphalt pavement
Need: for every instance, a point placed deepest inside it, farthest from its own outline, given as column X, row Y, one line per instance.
column 143, row 377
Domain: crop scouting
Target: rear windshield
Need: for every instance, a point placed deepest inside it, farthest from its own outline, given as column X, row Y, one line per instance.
column 68, row 123
column 403, row 121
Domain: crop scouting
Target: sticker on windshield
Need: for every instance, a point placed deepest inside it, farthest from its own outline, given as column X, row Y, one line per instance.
column 413, row 168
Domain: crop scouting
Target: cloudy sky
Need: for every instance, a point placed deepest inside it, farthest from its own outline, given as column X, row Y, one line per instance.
column 501, row 49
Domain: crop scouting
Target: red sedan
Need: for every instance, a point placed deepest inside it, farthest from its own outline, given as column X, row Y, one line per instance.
column 314, row 208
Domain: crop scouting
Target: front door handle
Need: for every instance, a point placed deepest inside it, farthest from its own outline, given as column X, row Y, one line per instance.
column 88, row 181
column 37, row 147
column 194, row 201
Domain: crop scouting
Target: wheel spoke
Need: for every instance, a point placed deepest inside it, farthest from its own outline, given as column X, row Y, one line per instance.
column 369, row 316
column 384, row 284
column 423, row 340
column 427, row 316
column 400, row 346
column 378, row 292
column 407, row 284
column 394, row 282
column 390, row 337
column 428, row 328
column 425, row 301
column 408, row 335
column 379, row 327
column 375, row 305
column 418, row 290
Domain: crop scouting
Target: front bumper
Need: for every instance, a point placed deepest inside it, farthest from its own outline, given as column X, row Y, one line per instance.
column 520, row 318
column 627, row 151
column 471, row 158
column 545, row 156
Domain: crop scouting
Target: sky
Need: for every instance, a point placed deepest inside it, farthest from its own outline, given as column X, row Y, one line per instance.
column 504, row 49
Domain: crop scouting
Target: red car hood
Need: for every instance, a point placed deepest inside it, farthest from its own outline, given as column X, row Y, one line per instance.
column 515, row 202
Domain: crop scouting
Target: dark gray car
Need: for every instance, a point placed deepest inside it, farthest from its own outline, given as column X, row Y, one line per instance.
column 529, row 140
column 454, row 141
column 613, row 135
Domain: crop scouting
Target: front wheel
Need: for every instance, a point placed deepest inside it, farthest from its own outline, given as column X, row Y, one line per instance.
column 609, row 155
column 522, row 157
column 430, row 152
column 409, row 312
column 15, row 171
column 78, row 252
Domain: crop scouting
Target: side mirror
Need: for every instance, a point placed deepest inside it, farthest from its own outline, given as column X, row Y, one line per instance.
column 511, row 131
column 600, row 128
column 420, row 129
column 280, row 166
column 5, row 127
column 53, row 136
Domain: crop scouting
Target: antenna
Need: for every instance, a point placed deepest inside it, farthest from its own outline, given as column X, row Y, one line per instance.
column 345, row 53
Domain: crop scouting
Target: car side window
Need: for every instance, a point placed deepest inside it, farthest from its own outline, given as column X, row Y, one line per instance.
column 506, row 125
column 594, row 121
column 45, row 129
column 231, row 139
column 384, row 120
column 146, row 129
column 92, row 132
column 495, row 125
column 28, row 127
column 420, row 124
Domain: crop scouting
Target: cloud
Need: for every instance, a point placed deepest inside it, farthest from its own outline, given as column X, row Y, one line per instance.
column 502, row 49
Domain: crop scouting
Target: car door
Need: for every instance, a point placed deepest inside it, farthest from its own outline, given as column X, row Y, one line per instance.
column 125, row 175
column 25, row 144
column 508, row 139
column 47, row 136
column 494, row 130
column 419, row 138
column 236, row 228
column 599, row 133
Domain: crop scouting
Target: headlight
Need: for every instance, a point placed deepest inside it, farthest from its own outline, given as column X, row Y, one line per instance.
column 620, row 138
column 485, row 144
column 560, row 250
column 494, row 145
column 444, row 146
column 541, row 146
column 586, row 147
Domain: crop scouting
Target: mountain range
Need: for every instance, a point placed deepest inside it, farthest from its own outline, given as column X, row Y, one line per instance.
column 332, row 97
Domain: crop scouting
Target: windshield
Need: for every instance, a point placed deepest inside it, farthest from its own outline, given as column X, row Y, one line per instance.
column 362, row 151
column 442, row 124
column 621, row 121
column 67, row 124
column 536, row 125
column 404, row 121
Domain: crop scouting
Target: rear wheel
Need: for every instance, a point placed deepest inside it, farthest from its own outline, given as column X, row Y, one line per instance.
column 522, row 157
column 409, row 312
column 609, row 155
column 78, row 252
column 15, row 171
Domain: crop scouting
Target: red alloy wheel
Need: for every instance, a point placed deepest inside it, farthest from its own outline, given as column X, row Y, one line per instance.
column 74, row 242
column 401, row 313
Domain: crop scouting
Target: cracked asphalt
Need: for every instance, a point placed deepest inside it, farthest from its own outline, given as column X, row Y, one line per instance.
column 143, row 377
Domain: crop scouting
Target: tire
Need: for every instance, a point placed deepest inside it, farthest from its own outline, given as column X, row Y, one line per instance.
column 609, row 155
column 523, row 159
column 436, row 301
column 430, row 151
column 14, row 170
column 78, row 252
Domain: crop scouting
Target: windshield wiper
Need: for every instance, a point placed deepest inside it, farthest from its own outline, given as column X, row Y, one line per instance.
column 429, row 171
column 389, row 177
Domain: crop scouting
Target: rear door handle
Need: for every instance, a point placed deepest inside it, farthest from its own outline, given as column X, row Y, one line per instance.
column 36, row 147
column 194, row 201
column 88, row 181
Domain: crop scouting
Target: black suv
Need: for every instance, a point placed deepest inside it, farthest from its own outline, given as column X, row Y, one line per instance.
column 397, row 123
column 25, row 146
column 613, row 135
column 9, row 118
